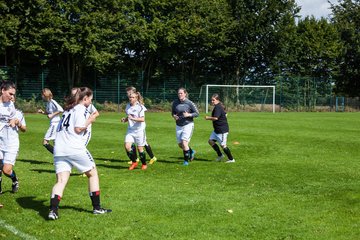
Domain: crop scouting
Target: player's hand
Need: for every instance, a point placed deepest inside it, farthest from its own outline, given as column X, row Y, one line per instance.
column 40, row 111
column 12, row 122
column 175, row 117
column 186, row 114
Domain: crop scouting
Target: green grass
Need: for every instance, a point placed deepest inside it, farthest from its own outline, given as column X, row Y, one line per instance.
column 296, row 176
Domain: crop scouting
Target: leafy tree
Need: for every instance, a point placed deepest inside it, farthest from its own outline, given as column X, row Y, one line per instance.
column 346, row 16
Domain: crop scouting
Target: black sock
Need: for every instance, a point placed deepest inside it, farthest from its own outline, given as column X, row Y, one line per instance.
column 142, row 157
column 133, row 148
column 132, row 155
column 54, row 202
column 149, row 151
column 49, row 147
column 12, row 176
column 95, row 199
column 217, row 149
column 186, row 155
column 228, row 153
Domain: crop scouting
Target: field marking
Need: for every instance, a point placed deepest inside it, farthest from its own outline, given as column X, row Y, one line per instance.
column 15, row 231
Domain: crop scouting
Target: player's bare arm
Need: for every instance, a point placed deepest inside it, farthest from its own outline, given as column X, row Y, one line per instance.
column 211, row 118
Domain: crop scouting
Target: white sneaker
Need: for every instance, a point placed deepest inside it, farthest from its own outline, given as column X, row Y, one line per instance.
column 53, row 215
column 218, row 159
column 230, row 161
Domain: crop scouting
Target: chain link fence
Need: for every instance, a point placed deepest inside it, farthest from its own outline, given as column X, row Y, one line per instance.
column 292, row 94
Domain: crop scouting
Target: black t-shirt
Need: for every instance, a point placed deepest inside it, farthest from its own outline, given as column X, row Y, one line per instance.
column 221, row 125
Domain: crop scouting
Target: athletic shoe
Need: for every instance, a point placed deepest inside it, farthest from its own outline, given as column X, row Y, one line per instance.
column 143, row 167
column 133, row 166
column 101, row 211
column 230, row 161
column 153, row 160
column 186, row 163
column 1, row 205
column 53, row 215
column 219, row 158
column 192, row 155
column 137, row 160
column 15, row 187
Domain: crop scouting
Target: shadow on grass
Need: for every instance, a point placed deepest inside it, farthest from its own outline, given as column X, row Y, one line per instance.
column 34, row 161
column 40, row 206
column 43, row 170
column 110, row 159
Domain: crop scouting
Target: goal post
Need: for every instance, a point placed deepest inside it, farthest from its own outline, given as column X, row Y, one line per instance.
column 241, row 95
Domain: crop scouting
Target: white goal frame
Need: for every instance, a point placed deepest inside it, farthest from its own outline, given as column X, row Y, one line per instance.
column 238, row 86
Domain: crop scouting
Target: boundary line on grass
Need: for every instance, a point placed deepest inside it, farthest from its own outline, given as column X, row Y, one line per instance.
column 15, row 231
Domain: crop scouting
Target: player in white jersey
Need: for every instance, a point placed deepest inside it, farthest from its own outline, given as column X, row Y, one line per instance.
column 148, row 148
column 53, row 111
column 90, row 111
column 135, row 134
column 9, row 141
column 70, row 151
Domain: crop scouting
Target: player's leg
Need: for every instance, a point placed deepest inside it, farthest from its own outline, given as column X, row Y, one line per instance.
column 57, row 192
column 9, row 162
column 50, row 135
column 133, row 147
column 186, row 137
column 226, row 149
column 1, row 167
column 149, row 151
column 94, row 191
column 140, row 140
column 130, row 150
column 212, row 142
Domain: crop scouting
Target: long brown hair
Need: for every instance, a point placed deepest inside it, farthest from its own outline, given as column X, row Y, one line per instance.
column 217, row 97
column 73, row 99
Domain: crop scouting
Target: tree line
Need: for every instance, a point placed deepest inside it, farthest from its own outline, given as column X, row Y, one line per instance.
column 237, row 40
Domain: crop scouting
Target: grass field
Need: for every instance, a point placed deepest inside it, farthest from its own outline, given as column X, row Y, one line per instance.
column 296, row 176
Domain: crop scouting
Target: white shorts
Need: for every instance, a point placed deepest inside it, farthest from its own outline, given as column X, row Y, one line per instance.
column 139, row 138
column 184, row 133
column 8, row 157
column 51, row 132
column 83, row 162
column 219, row 137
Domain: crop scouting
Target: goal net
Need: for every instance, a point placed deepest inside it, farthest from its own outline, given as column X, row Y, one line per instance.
column 240, row 97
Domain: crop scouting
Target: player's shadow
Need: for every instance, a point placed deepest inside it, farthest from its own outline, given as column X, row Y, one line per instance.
column 40, row 206
column 34, row 161
column 181, row 159
column 43, row 170
column 110, row 166
column 110, row 159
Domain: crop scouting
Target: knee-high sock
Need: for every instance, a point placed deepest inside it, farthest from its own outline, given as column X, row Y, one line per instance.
column 149, row 151
column 142, row 157
column 95, row 199
column 54, row 202
column 187, row 154
column 49, row 147
column 228, row 153
column 217, row 149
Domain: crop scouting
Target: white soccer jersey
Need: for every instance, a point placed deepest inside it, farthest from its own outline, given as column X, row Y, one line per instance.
column 138, row 110
column 51, row 107
column 7, row 112
column 90, row 110
column 9, row 140
column 67, row 141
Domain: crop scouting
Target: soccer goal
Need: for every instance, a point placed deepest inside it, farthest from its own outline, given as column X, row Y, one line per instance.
column 240, row 97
